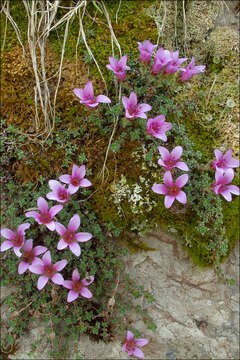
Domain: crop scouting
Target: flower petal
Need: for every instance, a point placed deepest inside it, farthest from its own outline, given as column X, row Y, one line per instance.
column 160, row 189
column 85, row 183
column 59, row 265
column 87, row 281
column 141, row 342
column 22, row 228
column 38, row 250
column 65, row 178
column 132, row 99
column 54, row 185
column 42, row 281
column 177, row 152
column 138, row 353
column 51, row 226
column 218, row 154
column 123, row 61
column 61, row 244
column 22, row 267
column 78, row 92
column 8, row 234
column 75, row 248
column 60, row 228
column 42, row 205
column 86, row 293
column 33, row 214
column 6, row 245
column 234, row 189
column 17, row 251
column 163, row 152
column 168, row 201
column 83, row 236
column 88, row 90
column 226, row 194
column 103, row 99
column 130, row 336
column 72, row 295
column 68, row 284
column 182, row 180
column 181, row 197
column 37, row 267
column 182, row 166
column 47, row 260
column 144, row 108
column 54, row 210
column 74, row 223
column 28, row 245
column 168, row 180
column 58, row 279
column 75, row 275
column 125, row 101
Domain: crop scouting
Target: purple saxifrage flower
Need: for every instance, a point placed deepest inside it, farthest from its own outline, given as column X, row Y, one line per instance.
column 173, row 65
column 48, row 271
column 157, row 127
column 69, row 236
column 191, row 70
column 45, row 216
column 118, row 67
column 59, row 192
column 222, row 186
column 132, row 108
column 162, row 58
column 146, row 49
column 14, row 240
column 77, row 178
column 224, row 162
column 172, row 190
column 171, row 160
column 87, row 97
column 131, row 344
column 77, row 286
column 29, row 255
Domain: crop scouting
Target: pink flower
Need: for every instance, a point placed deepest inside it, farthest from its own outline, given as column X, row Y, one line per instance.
column 191, row 70
column 87, row 97
column 15, row 240
column 162, row 58
column 172, row 190
column 45, row 216
column 119, row 67
column 77, row 178
column 146, row 48
column 59, row 192
column 221, row 185
column 69, row 237
column 171, row 160
column 173, row 65
column 29, row 255
column 77, row 287
column 131, row 344
column 224, row 162
column 158, row 126
column 134, row 110
column 48, row 271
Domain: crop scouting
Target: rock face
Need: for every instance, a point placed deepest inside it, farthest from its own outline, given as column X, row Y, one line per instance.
column 197, row 315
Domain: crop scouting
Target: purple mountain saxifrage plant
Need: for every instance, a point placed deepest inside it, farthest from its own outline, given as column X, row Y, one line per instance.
column 157, row 127
column 29, row 255
column 119, row 67
column 86, row 96
column 131, row 345
column 146, row 49
column 45, row 216
column 191, row 70
column 171, row 160
column 133, row 109
column 224, row 162
column 48, row 271
column 69, row 236
column 14, row 240
column 222, row 185
column 78, row 287
column 173, row 66
column 77, row 179
column 59, row 192
column 172, row 190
